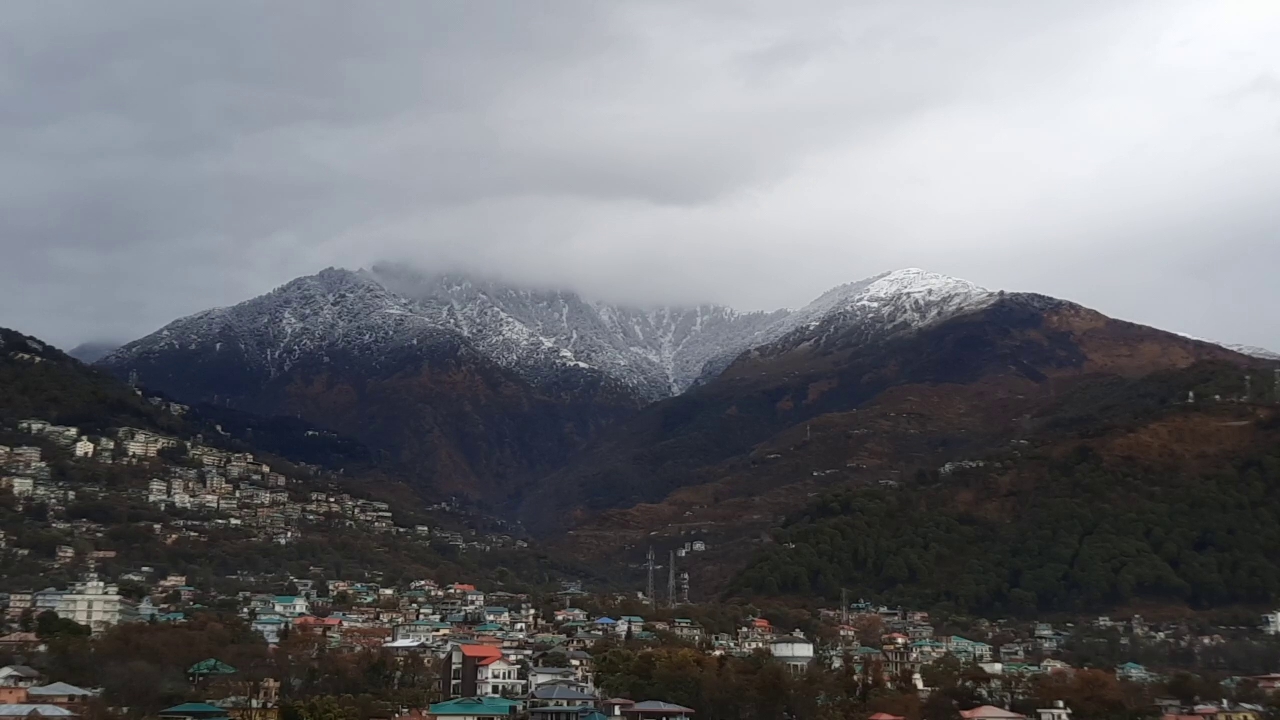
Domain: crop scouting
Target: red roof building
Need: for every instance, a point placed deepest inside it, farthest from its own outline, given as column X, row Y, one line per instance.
column 990, row 712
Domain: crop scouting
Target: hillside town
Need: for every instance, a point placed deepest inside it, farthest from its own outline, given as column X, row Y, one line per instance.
column 208, row 487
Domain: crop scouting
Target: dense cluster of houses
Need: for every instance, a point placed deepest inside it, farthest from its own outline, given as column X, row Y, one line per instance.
column 226, row 489
column 497, row 655
column 26, row 693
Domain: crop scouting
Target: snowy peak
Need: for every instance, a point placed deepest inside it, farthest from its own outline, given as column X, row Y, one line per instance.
column 879, row 307
column 1254, row 351
column 543, row 334
column 912, row 296
column 921, row 284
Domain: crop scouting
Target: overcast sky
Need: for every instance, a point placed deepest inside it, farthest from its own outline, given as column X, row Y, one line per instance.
column 159, row 158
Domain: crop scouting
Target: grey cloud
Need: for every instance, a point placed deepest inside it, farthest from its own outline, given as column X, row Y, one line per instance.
column 159, row 158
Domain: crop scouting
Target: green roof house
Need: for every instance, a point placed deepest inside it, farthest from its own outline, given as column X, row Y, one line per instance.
column 193, row 711
column 476, row 708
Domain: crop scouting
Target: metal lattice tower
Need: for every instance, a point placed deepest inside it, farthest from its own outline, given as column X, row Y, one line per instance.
column 671, row 580
column 653, row 601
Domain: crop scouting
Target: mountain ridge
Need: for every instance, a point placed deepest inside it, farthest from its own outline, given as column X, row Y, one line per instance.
column 659, row 352
column 484, row 389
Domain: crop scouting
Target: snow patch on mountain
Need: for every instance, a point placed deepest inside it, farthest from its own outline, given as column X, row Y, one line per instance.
column 879, row 307
column 1250, row 350
column 1254, row 351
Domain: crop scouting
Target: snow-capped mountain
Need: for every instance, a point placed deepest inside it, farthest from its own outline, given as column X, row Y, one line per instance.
column 1253, row 351
column 658, row 352
column 1249, row 350
column 482, row 388
column 540, row 334
column 882, row 306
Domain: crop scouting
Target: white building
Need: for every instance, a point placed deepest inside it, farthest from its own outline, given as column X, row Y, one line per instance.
column 96, row 604
column 1270, row 621
column 793, row 651
column 1058, row 711
column 290, row 605
column 83, row 448
column 21, row 486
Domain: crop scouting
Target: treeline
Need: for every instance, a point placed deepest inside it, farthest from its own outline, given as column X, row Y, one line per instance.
column 38, row 380
column 1079, row 536
column 759, row 688
column 144, row 667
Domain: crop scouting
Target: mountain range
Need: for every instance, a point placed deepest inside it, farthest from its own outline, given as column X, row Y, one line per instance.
column 553, row 406
column 544, row 337
column 479, row 386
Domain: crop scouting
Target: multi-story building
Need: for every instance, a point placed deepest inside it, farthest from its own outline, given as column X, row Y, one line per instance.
column 21, row 485
column 19, row 603
column 793, row 651
column 96, row 604
column 480, row 671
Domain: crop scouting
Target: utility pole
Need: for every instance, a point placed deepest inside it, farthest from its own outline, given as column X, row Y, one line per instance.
column 844, row 606
column 671, row 580
column 1248, row 388
column 1275, row 393
column 653, row 601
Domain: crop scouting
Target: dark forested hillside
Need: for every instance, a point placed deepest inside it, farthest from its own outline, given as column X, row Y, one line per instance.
column 41, row 381
column 449, row 419
column 970, row 383
column 1085, row 537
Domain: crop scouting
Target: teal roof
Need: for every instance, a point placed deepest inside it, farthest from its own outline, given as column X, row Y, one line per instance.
column 192, row 707
column 211, row 666
column 475, row 706
column 488, row 627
